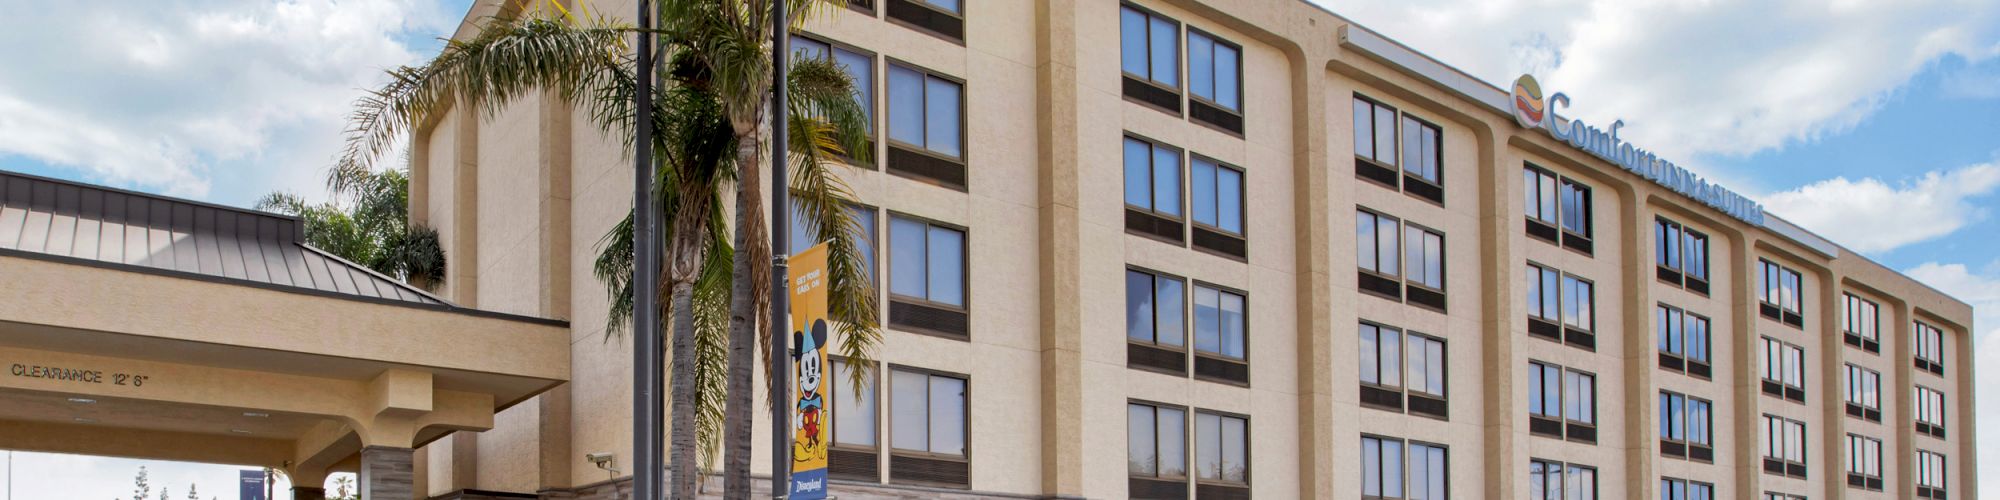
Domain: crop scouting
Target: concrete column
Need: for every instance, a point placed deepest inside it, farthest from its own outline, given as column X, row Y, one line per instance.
column 304, row 493
column 387, row 473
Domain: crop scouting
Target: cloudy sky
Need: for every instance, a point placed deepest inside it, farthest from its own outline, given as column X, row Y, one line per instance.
column 1873, row 122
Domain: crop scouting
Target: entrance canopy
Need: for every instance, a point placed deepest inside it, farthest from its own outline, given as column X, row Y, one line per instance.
column 141, row 326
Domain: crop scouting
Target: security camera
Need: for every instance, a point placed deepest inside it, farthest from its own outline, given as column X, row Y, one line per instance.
column 604, row 461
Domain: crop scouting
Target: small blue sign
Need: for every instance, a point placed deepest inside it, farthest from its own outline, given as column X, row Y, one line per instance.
column 809, row 484
column 251, row 485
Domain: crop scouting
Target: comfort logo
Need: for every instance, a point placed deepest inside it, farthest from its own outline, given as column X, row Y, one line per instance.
column 1528, row 106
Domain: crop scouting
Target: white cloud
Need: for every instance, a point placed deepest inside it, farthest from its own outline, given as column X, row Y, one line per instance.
column 1693, row 77
column 184, row 96
column 1871, row 216
column 1983, row 292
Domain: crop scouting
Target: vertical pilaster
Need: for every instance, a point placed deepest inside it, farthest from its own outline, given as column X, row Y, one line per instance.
column 1501, row 267
column 1061, row 238
column 1317, row 443
column 386, row 473
column 1640, row 395
column 462, row 259
column 1742, row 371
column 1899, row 387
column 1832, row 383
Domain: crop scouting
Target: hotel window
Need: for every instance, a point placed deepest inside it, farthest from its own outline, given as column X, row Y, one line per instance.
column 803, row 237
column 1864, row 399
column 1562, row 403
column 1686, row 427
column 1930, row 412
column 926, row 126
column 1425, row 258
column 1551, row 480
column 1930, row 348
column 1217, row 205
column 1422, row 169
column 1392, row 468
column 1784, row 444
column 1860, row 324
column 860, row 67
column 1153, row 189
column 1579, row 305
column 1558, row 208
column 940, row 18
column 1680, row 255
column 927, row 422
column 1149, row 55
column 1155, row 312
column 927, row 276
column 1376, row 148
column 1780, row 298
column 1215, row 81
column 1782, row 496
column 854, row 450
column 1219, row 335
column 1561, row 307
column 1864, row 462
column 1222, row 455
column 1389, row 357
column 1930, row 475
column 1683, row 340
column 1682, row 489
column 1156, row 450
column 1377, row 251
column 1784, row 370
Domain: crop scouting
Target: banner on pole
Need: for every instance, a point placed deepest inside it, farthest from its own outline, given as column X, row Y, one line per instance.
column 810, row 334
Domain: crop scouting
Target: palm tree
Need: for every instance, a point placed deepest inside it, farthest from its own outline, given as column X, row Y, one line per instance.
column 369, row 224
column 702, row 138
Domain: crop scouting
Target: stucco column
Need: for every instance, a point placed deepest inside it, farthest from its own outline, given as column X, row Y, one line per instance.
column 387, row 473
column 304, row 493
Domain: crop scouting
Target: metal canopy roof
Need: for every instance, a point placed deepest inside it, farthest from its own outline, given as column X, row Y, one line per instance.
column 41, row 217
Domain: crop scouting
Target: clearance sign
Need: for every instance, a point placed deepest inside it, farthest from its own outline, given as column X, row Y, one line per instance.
column 809, row 411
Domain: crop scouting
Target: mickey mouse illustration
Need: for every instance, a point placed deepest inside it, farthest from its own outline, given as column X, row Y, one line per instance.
column 810, row 403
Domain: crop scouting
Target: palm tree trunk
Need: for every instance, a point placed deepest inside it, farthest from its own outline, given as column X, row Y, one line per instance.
column 752, row 249
column 690, row 239
column 684, row 466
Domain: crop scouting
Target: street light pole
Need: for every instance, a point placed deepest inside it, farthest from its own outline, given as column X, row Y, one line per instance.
column 781, row 357
column 648, row 366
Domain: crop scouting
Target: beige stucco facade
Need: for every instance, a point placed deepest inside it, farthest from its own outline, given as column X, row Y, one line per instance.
column 522, row 197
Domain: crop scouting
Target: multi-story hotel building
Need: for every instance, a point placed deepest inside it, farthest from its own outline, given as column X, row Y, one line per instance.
column 1215, row 249
column 1244, row 248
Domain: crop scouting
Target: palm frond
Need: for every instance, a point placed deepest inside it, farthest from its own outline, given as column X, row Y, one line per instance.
column 509, row 57
column 711, row 336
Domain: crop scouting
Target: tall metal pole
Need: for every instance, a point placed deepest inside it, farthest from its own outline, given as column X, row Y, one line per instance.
column 781, row 358
column 648, row 366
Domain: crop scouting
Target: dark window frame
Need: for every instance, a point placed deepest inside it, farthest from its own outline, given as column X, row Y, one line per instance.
column 1571, row 429
column 1858, row 474
column 1772, row 301
column 1186, row 346
column 1402, row 389
column 964, row 159
column 1925, row 469
column 1927, row 401
column 1242, row 188
column 1678, row 267
column 1677, row 335
column 1187, row 61
column 1928, row 349
column 1861, row 322
column 1193, row 328
column 1406, row 444
column 1776, row 431
column 965, row 272
column 960, row 16
column 1779, row 387
column 875, row 103
column 1187, row 448
column 1560, row 470
column 1179, row 90
column 890, row 423
column 1248, row 450
column 1394, row 173
column 1859, row 400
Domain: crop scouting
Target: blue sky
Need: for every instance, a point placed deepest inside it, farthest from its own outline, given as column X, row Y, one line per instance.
column 1873, row 122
